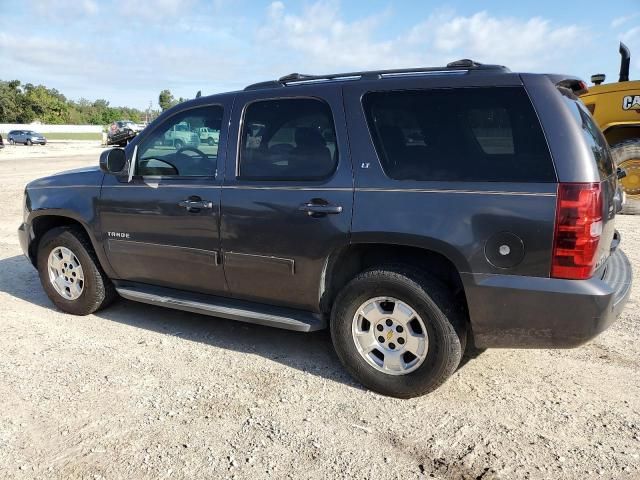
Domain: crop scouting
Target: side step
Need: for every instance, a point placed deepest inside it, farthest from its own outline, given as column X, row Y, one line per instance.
column 279, row 317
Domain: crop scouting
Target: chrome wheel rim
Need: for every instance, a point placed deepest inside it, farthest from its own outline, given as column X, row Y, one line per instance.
column 390, row 335
column 65, row 273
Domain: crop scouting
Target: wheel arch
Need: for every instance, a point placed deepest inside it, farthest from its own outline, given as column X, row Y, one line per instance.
column 346, row 262
column 619, row 132
column 43, row 222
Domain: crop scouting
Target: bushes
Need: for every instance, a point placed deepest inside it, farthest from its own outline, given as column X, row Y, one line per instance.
column 26, row 103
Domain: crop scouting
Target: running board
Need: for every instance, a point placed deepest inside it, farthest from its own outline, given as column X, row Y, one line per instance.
column 272, row 316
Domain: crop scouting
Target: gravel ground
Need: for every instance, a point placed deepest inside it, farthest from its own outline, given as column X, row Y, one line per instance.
column 143, row 392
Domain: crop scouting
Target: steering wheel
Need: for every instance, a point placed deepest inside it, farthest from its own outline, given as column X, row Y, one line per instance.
column 192, row 149
column 145, row 161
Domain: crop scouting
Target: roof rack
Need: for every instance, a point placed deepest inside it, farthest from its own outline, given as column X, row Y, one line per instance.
column 459, row 66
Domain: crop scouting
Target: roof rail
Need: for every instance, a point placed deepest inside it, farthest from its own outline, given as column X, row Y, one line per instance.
column 459, row 66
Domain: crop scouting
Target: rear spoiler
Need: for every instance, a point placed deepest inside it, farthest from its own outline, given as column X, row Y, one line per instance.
column 575, row 84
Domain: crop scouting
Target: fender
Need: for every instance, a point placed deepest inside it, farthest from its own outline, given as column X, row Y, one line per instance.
column 72, row 202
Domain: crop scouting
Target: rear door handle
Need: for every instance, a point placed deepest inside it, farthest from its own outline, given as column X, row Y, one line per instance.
column 195, row 205
column 319, row 209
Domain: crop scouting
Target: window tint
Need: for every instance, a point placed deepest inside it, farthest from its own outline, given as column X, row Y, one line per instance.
column 591, row 133
column 465, row 134
column 184, row 145
column 288, row 139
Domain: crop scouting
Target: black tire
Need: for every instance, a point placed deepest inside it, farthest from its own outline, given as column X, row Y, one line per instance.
column 98, row 291
column 178, row 144
column 12, row 141
column 28, row 142
column 444, row 319
column 627, row 155
column 211, row 141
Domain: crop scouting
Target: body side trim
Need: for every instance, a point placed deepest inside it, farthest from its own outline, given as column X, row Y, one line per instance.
column 141, row 248
column 268, row 262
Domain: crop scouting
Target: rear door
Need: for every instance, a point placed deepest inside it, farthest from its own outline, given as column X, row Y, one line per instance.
column 288, row 193
column 162, row 227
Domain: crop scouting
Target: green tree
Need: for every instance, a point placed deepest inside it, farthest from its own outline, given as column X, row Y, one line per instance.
column 10, row 101
column 46, row 105
column 26, row 103
column 166, row 100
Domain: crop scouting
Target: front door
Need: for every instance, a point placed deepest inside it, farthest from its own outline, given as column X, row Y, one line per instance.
column 162, row 227
column 287, row 196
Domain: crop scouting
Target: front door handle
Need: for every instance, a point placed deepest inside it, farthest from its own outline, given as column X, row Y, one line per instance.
column 193, row 205
column 320, row 209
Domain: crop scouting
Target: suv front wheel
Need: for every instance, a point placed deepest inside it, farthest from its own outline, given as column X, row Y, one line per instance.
column 71, row 273
column 398, row 331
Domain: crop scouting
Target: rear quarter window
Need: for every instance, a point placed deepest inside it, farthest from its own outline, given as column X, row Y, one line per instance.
column 590, row 132
column 466, row 134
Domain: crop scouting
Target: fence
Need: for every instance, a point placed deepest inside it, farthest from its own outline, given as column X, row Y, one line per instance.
column 57, row 132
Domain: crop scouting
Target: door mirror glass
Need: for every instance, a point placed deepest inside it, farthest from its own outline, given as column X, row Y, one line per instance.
column 113, row 161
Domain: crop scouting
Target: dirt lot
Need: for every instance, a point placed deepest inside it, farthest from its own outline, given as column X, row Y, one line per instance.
column 142, row 392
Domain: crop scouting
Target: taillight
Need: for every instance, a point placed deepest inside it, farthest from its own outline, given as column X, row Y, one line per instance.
column 578, row 230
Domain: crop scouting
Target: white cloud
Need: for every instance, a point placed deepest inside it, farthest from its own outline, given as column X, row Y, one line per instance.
column 520, row 44
column 619, row 21
column 632, row 35
column 156, row 44
column 63, row 8
column 155, row 10
column 322, row 39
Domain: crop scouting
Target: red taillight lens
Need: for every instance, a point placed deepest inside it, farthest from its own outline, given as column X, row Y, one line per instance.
column 578, row 230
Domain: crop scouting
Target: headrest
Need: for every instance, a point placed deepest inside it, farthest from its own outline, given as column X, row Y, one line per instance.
column 308, row 137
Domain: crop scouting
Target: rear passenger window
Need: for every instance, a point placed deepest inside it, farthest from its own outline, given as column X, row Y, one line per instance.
column 465, row 134
column 288, row 139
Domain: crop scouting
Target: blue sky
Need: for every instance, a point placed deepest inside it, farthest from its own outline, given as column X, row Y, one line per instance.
column 127, row 51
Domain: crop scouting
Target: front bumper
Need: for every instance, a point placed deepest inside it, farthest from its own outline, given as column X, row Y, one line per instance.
column 534, row 312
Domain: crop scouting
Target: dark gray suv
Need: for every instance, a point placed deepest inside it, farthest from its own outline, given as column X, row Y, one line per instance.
column 413, row 212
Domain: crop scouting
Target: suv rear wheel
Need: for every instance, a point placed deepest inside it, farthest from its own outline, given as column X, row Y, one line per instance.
column 398, row 331
column 70, row 272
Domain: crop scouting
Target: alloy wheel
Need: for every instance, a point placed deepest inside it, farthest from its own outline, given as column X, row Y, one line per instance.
column 65, row 273
column 390, row 335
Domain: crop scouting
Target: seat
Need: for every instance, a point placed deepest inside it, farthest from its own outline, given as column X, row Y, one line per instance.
column 310, row 157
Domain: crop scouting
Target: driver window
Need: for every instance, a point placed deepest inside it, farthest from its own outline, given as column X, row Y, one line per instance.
column 185, row 145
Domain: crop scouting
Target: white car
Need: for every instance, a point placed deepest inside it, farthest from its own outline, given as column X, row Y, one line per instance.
column 208, row 135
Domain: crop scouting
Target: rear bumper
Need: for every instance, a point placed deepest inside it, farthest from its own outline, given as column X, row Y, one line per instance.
column 533, row 312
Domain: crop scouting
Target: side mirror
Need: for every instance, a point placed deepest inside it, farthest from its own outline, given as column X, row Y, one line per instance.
column 113, row 161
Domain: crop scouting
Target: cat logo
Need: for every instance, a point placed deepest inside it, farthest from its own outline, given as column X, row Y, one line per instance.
column 631, row 102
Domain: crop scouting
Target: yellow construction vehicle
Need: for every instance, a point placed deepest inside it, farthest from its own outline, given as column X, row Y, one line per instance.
column 616, row 109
